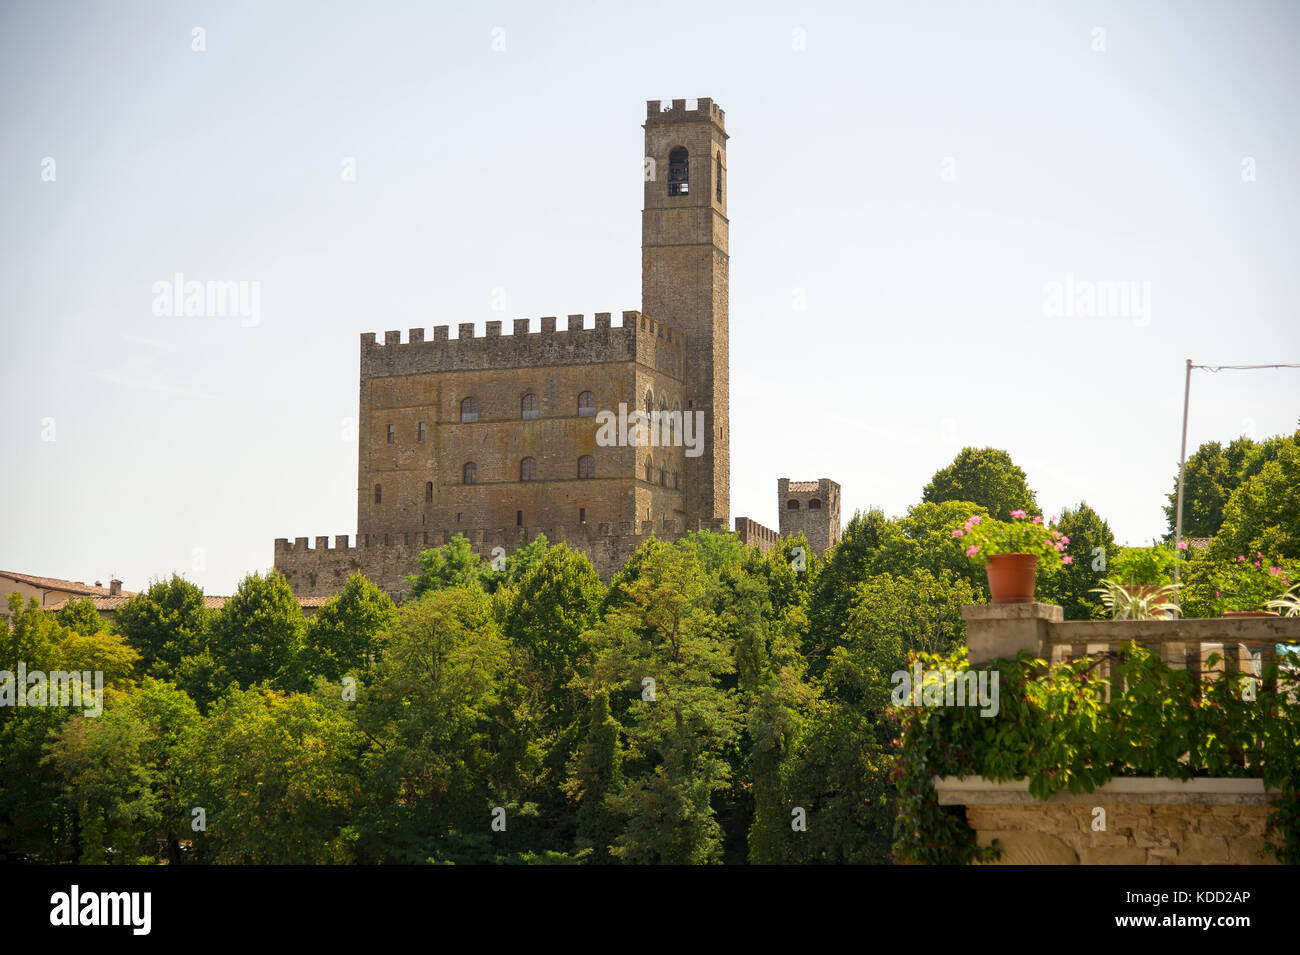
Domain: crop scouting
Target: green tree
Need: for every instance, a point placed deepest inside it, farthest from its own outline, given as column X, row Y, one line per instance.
column 277, row 777
column 1091, row 547
column 341, row 637
column 596, row 771
column 451, row 565
column 1263, row 514
column 985, row 476
column 258, row 636
column 453, row 736
column 80, row 616
column 678, row 738
column 119, row 775
column 165, row 623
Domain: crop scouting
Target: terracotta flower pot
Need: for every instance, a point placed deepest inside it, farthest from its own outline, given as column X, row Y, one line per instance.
column 1011, row 578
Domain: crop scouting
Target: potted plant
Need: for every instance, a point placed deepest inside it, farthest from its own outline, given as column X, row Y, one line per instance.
column 1144, row 575
column 1137, row 601
column 1010, row 552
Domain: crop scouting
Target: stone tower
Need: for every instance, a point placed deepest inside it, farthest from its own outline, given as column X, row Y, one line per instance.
column 812, row 507
column 684, row 256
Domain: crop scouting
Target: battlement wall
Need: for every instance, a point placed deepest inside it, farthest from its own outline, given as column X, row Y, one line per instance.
column 754, row 534
column 639, row 338
column 322, row 570
column 676, row 112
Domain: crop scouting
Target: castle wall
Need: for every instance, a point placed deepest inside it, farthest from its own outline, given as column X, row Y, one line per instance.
column 821, row 526
column 323, row 569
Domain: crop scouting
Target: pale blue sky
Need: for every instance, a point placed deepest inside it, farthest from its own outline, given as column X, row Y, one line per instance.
column 923, row 328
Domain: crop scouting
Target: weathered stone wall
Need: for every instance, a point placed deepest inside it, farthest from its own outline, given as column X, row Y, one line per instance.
column 821, row 525
column 322, row 570
column 417, row 388
column 1148, row 822
column 684, row 279
column 754, row 534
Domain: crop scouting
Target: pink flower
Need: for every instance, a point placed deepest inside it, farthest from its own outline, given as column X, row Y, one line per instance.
column 1259, row 555
column 1038, row 518
column 1059, row 546
column 1256, row 563
column 972, row 551
column 1067, row 559
column 1017, row 514
column 958, row 532
column 1182, row 545
column 975, row 519
column 1065, row 540
column 1053, row 518
column 1216, row 593
column 1056, row 534
column 1241, row 560
column 1275, row 571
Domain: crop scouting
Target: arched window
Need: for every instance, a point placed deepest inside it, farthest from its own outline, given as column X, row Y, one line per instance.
column 679, row 172
column 469, row 410
column 663, row 477
column 815, row 504
column 528, row 469
column 428, row 491
column 586, row 467
column 469, row 473
column 649, row 471
column 379, row 494
column 792, row 505
column 587, row 405
column 419, row 431
column 676, row 481
column 392, row 433
column 528, row 407
column 718, row 177
column 649, row 401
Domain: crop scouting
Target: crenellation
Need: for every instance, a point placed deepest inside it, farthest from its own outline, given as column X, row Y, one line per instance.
column 465, row 331
column 440, row 333
column 521, row 326
column 415, row 336
column 494, row 329
column 548, row 325
column 392, row 338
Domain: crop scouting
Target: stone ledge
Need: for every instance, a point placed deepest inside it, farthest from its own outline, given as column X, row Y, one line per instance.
column 1148, row 790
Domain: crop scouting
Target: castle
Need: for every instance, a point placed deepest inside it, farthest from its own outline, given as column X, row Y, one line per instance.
column 597, row 436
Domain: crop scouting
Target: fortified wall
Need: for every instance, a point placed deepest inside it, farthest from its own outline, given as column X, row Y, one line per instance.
column 387, row 559
column 640, row 339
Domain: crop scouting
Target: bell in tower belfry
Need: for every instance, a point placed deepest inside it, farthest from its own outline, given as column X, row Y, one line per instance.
column 684, row 276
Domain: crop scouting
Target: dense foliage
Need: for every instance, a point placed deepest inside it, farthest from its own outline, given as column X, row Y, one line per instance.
column 712, row 703
column 1056, row 728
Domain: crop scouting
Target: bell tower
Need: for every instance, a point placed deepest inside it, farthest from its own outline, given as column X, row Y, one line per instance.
column 684, row 276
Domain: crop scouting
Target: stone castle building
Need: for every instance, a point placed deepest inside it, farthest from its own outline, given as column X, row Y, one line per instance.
column 503, row 437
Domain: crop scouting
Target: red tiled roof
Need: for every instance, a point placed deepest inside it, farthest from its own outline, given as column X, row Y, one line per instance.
column 112, row 604
column 54, row 583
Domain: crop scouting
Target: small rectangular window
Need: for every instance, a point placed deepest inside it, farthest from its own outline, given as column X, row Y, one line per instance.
column 392, row 433
column 419, row 431
column 519, row 518
column 582, row 515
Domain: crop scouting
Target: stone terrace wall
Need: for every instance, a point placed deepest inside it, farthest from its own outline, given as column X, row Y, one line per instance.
column 1148, row 822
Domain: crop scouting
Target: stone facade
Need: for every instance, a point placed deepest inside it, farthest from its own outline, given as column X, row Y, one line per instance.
column 1147, row 822
column 811, row 508
column 499, row 437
